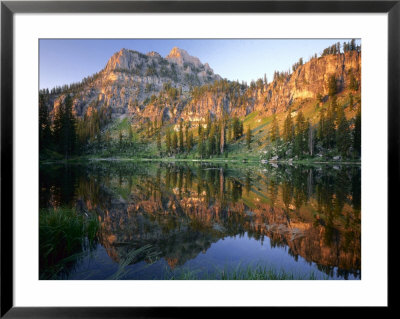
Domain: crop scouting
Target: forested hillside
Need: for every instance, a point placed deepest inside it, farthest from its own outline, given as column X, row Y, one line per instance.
column 147, row 106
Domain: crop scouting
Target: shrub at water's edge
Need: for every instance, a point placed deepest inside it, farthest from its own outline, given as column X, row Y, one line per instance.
column 63, row 235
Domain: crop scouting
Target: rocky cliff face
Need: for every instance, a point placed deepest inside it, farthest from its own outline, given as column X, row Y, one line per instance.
column 309, row 80
column 306, row 82
column 130, row 77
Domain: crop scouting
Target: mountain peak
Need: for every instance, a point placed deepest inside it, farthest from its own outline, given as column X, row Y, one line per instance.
column 181, row 56
column 153, row 54
column 177, row 53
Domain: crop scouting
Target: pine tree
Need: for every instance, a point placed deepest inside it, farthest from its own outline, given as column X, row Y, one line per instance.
column 44, row 124
column 65, row 128
column 236, row 128
column 351, row 100
column 332, row 89
column 329, row 127
column 187, row 137
column 130, row 134
column 353, row 85
column 211, row 145
column 199, row 129
column 248, row 136
column 208, row 124
column 357, row 133
column 343, row 140
column 174, row 142
column 222, row 137
column 189, row 141
column 108, row 138
column 159, row 141
column 181, row 136
column 98, row 140
column 120, row 139
column 201, row 146
column 274, row 131
column 168, row 140
column 321, row 126
column 311, row 138
column 288, row 129
column 301, row 132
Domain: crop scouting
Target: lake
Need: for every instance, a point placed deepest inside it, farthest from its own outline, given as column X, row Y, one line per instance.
column 189, row 220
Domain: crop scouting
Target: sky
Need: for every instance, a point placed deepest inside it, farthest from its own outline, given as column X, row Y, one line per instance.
column 64, row 61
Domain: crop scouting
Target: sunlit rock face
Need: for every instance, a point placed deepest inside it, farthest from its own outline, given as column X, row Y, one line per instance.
column 130, row 77
column 181, row 212
column 309, row 80
column 305, row 83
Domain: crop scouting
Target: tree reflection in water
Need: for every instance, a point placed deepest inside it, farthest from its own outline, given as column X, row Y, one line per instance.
column 181, row 210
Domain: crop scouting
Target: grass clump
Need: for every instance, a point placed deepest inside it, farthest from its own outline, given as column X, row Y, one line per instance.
column 258, row 272
column 64, row 235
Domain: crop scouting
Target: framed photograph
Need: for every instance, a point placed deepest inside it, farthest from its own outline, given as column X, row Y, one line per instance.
column 160, row 155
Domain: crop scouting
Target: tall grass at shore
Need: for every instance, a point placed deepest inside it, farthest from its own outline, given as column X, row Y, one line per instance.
column 64, row 235
column 258, row 272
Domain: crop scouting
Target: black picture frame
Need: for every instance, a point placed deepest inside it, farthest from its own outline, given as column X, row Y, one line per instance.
column 9, row 8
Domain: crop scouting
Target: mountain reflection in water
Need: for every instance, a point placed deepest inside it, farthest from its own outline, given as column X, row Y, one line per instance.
column 188, row 212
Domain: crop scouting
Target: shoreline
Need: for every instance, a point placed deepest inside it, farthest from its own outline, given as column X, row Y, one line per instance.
column 171, row 160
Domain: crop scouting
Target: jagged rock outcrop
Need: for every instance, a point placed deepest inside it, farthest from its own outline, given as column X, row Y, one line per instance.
column 130, row 77
column 309, row 80
column 134, row 84
column 306, row 82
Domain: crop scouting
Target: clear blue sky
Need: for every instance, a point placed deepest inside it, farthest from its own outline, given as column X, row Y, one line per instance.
column 66, row 61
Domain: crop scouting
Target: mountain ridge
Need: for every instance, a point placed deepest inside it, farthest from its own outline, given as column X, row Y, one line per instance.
column 130, row 79
column 152, row 98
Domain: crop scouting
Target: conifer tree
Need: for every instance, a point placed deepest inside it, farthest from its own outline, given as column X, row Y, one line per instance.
column 130, row 134
column 189, row 141
column 351, row 100
column 311, row 138
column 180, row 136
column 174, row 142
column 199, row 129
column 248, row 136
column 44, row 124
column 211, row 145
column 274, row 131
column 120, row 139
column 288, row 129
column 301, row 134
column 222, row 134
column 332, row 89
column 236, row 128
column 168, row 140
column 201, row 146
column 357, row 133
column 187, row 137
column 321, row 126
column 65, row 128
column 330, row 120
column 353, row 85
column 343, row 140
column 159, row 140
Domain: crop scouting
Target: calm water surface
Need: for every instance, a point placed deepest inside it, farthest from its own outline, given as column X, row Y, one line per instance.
column 202, row 218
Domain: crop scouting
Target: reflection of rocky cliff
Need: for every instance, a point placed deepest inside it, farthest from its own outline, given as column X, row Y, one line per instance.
column 182, row 211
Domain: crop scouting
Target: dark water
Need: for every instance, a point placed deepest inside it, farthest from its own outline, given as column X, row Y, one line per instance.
column 200, row 219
